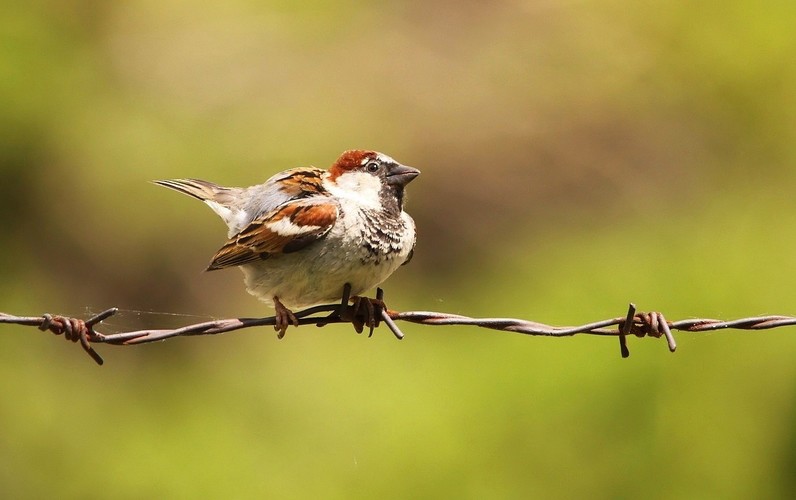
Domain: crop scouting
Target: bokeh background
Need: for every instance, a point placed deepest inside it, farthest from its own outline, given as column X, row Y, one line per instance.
column 576, row 156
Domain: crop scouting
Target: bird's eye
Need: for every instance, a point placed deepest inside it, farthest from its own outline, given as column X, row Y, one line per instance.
column 372, row 166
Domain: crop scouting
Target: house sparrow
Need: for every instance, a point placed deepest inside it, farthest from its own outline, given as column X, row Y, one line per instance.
column 305, row 233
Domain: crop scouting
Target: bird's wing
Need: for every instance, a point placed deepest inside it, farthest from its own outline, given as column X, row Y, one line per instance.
column 288, row 228
column 293, row 184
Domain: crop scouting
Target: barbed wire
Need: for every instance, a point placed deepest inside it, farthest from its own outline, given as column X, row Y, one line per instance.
column 371, row 313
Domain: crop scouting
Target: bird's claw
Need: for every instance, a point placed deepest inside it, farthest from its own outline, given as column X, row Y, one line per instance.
column 366, row 312
column 359, row 311
column 283, row 318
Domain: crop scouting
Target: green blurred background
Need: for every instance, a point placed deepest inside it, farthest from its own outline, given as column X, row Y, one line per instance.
column 576, row 156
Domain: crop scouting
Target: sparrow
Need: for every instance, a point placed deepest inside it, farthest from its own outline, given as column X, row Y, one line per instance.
column 304, row 234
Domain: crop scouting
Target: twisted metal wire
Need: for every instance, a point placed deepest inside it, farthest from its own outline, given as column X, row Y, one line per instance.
column 372, row 312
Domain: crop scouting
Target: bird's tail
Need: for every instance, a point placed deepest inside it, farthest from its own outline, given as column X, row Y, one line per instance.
column 201, row 190
column 219, row 198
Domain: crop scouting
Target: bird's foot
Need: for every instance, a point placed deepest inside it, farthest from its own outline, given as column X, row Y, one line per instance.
column 366, row 312
column 360, row 311
column 284, row 317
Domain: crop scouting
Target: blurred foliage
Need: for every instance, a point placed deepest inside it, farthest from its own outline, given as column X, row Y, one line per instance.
column 575, row 156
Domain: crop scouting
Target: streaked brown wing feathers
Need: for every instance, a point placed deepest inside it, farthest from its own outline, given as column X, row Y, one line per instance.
column 289, row 228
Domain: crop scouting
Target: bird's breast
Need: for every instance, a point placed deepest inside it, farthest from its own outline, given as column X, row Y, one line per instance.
column 378, row 236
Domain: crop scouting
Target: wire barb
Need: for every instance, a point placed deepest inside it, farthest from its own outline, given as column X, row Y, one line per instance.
column 77, row 330
column 624, row 331
column 372, row 312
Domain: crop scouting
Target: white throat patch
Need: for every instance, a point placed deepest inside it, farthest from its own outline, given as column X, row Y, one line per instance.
column 361, row 187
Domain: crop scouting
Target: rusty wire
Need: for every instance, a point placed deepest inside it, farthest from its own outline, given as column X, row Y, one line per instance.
column 372, row 312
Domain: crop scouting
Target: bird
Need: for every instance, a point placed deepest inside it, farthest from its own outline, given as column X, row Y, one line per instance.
column 306, row 233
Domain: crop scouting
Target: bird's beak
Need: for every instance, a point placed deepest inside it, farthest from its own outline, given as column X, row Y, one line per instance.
column 401, row 175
